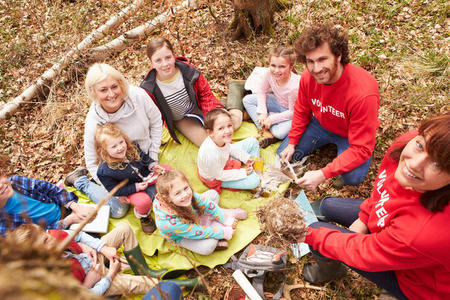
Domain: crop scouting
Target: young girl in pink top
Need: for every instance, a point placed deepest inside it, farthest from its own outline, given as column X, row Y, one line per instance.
column 272, row 107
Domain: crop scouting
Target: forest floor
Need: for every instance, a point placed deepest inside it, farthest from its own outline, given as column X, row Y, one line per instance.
column 404, row 44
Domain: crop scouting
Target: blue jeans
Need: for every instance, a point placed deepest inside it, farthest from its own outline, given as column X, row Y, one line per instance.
column 96, row 193
column 279, row 130
column 251, row 146
column 345, row 211
column 314, row 137
column 172, row 290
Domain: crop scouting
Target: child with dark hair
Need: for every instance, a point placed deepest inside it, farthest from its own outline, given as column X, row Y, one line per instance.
column 219, row 160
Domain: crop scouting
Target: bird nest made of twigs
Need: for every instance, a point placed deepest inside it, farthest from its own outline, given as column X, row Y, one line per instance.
column 283, row 220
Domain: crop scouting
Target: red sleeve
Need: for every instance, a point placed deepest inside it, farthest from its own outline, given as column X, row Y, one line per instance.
column 365, row 210
column 362, row 130
column 375, row 252
column 205, row 98
column 302, row 115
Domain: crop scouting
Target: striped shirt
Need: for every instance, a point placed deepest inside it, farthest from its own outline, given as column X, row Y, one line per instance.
column 177, row 98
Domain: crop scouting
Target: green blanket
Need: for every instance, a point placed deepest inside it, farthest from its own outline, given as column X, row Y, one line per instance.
column 159, row 252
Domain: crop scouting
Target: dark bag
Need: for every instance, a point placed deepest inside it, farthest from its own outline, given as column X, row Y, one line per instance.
column 256, row 261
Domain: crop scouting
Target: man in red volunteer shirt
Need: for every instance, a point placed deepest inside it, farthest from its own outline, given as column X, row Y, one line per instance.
column 337, row 103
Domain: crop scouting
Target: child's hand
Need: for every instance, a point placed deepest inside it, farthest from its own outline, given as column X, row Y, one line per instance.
column 109, row 252
column 249, row 170
column 228, row 233
column 140, row 186
column 250, row 162
column 123, row 199
column 261, row 118
column 266, row 123
column 92, row 276
column 114, row 267
column 158, row 169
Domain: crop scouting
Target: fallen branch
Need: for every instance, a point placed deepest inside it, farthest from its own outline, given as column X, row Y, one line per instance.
column 288, row 288
column 133, row 35
column 49, row 75
column 66, row 242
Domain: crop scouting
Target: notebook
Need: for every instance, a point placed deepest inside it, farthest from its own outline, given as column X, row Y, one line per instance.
column 99, row 224
column 300, row 249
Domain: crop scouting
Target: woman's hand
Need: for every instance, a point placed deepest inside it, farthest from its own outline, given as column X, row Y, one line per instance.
column 359, row 227
column 109, row 252
column 92, row 253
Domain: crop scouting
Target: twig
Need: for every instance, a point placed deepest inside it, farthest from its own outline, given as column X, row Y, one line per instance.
column 135, row 34
column 208, row 289
column 291, row 169
column 66, row 242
column 288, row 288
column 48, row 76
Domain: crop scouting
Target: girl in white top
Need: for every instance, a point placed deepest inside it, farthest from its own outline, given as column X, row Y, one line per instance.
column 272, row 107
column 219, row 161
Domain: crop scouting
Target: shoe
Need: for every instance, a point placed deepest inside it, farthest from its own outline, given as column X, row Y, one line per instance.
column 148, row 224
column 323, row 271
column 266, row 138
column 74, row 175
column 338, row 183
column 221, row 245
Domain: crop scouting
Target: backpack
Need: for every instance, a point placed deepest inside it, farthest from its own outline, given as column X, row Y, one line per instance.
column 256, row 261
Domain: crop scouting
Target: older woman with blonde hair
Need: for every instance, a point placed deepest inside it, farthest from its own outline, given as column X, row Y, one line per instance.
column 128, row 107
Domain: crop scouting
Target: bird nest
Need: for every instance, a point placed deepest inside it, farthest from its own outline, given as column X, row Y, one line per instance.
column 283, row 220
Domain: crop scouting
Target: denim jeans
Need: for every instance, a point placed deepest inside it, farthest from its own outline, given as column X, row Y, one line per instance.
column 96, row 193
column 279, row 130
column 315, row 136
column 345, row 211
column 251, row 146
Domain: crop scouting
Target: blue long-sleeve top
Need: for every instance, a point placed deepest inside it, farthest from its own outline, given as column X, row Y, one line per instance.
column 134, row 171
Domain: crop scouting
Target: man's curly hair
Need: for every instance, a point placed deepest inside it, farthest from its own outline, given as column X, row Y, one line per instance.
column 318, row 34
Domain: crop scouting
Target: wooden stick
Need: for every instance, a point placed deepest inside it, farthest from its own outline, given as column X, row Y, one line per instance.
column 288, row 288
column 292, row 170
column 66, row 242
column 135, row 34
column 49, row 75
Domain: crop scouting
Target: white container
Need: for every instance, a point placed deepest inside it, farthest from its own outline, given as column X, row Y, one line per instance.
column 246, row 285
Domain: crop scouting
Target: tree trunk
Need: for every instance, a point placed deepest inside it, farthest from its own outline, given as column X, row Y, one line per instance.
column 255, row 16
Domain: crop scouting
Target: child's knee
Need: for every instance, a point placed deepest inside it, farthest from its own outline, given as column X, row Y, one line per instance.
column 248, row 100
column 123, row 228
column 211, row 195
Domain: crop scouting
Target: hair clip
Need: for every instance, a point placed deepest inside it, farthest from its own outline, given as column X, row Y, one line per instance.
column 100, row 124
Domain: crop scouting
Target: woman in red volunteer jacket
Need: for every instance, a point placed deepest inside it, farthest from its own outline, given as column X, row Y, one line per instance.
column 398, row 238
column 181, row 92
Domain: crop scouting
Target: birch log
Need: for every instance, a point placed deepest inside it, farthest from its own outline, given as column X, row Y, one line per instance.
column 135, row 34
column 48, row 76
